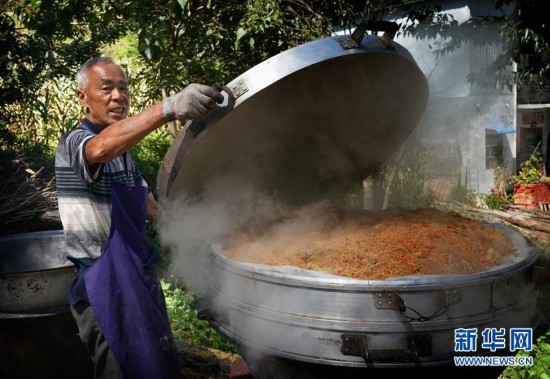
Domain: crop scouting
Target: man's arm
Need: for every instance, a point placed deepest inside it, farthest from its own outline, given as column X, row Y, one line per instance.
column 118, row 138
column 194, row 102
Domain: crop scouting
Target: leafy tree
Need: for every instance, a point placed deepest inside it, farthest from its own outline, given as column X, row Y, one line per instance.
column 520, row 27
column 206, row 41
column 214, row 40
column 178, row 41
column 174, row 42
column 44, row 39
column 41, row 40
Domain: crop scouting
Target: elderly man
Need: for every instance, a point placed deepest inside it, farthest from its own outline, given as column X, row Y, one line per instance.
column 116, row 298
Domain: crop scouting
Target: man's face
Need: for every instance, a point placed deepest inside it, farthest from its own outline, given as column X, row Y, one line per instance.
column 106, row 95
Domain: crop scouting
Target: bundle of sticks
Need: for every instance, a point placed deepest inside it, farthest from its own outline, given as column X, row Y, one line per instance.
column 26, row 193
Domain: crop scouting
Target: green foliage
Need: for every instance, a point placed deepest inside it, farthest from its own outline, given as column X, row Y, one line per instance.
column 185, row 323
column 39, row 123
column 163, row 45
column 148, row 155
column 43, row 39
column 164, row 253
column 497, row 200
column 180, row 41
column 529, row 170
column 541, row 362
column 500, row 196
column 183, row 41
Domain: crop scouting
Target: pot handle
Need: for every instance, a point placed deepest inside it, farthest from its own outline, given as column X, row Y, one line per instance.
column 393, row 300
column 441, row 310
column 356, row 345
column 197, row 126
column 388, row 27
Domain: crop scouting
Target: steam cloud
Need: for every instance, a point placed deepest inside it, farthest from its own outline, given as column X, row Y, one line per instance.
column 227, row 208
column 191, row 225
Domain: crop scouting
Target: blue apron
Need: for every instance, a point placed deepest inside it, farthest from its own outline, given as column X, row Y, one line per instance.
column 125, row 293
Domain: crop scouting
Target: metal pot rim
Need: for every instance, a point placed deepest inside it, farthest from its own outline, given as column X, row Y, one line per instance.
column 33, row 236
column 424, row 281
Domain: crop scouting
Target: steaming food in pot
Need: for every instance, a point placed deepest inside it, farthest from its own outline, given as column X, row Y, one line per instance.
column 377, row 245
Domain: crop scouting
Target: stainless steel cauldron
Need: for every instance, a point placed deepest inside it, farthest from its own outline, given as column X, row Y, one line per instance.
column 38, row 335
column 34, row 274
column 310, row 122
column 409, row 321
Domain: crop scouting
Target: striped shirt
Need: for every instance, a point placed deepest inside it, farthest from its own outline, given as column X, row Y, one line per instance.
column 84, row 192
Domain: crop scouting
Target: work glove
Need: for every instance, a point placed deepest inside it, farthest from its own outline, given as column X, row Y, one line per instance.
column 193, row 103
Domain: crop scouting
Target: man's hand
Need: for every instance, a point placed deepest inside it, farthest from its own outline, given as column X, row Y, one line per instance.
column 193, row 103
column 154, row 209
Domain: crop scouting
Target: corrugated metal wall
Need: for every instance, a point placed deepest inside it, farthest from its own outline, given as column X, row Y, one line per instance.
column 484, row 55
column 481, row 57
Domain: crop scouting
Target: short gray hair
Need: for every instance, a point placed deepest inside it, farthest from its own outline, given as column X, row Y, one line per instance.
column 81, row 77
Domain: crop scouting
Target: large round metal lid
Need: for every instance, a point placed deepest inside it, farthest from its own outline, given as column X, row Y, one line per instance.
column 314, row 118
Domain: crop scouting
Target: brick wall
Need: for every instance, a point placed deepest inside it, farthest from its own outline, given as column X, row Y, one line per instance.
column 530, row 195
